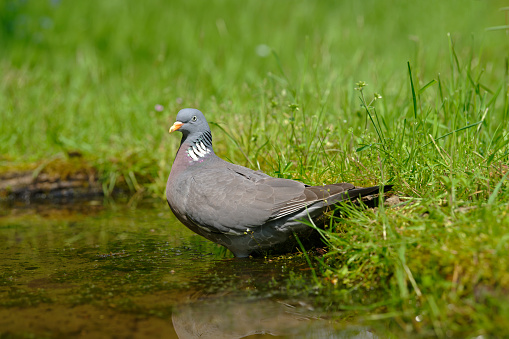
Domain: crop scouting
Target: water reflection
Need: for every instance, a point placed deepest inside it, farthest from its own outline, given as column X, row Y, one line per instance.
column 219, row 318
column 240, row 318
column 95, row 271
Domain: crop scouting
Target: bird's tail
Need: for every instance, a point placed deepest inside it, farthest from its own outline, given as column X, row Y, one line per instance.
column 356, row 193
column 363, row 191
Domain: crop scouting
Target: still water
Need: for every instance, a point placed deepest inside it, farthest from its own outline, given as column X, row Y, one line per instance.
column 96, row 270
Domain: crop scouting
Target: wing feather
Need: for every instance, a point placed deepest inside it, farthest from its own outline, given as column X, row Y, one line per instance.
column 235, row 198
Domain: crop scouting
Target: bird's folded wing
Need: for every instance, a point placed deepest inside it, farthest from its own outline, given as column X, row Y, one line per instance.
column 227, row 201
column 327, row 194
column 237, row 199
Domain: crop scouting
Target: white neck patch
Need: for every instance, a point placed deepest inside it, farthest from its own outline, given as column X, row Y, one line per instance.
column 197, row 151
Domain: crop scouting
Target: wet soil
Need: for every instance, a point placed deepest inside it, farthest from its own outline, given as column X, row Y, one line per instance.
column 54, row 178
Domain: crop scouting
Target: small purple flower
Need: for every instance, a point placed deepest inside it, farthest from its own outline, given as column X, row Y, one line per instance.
column 159, row 108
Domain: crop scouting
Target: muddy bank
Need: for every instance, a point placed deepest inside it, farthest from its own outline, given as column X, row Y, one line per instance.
column 26, row 186
column 53, row 179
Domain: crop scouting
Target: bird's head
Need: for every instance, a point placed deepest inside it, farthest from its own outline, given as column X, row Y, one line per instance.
column 190, row 121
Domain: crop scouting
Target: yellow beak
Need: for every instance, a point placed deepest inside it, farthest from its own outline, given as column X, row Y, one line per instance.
column 175, row 126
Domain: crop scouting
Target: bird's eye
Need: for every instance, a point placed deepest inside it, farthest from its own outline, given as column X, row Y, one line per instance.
column 193, row 118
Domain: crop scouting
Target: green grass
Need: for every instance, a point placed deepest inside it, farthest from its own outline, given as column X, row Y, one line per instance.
column 86, row 76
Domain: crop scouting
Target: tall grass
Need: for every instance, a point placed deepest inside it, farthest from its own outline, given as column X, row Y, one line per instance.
column 413, row 94
column 436, row 255
column 86, row 76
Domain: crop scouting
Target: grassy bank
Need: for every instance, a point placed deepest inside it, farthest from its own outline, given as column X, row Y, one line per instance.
column 283, row 84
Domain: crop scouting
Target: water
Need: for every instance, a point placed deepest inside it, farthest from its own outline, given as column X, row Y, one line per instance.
column 95, row 271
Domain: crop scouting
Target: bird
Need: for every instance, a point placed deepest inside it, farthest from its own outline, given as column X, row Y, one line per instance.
column 244, row 210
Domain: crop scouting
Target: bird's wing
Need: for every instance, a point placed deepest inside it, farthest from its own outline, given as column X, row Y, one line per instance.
column 327, row 195
column 235, row 198
column 228, row 200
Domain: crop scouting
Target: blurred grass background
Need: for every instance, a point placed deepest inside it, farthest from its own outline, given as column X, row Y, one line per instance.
column 278, row 79
column 87, row 76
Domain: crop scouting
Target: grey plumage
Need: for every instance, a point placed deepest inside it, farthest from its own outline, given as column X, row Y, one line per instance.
column 244, row 210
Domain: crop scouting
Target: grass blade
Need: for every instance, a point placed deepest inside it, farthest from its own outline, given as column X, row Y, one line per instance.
column 494, row 194
column 414, row 98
